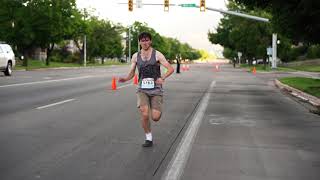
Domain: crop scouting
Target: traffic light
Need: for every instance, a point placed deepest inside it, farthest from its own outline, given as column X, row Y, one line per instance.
column 166, row 5
column 202, row 5
column 130, row 5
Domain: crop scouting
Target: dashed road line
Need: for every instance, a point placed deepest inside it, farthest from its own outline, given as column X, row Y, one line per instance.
column 48, row 81
column 55, row 104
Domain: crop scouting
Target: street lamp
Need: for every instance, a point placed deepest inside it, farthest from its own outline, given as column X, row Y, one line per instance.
column 85, row 51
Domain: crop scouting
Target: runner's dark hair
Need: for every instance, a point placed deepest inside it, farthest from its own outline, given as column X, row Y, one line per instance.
column 144, row 35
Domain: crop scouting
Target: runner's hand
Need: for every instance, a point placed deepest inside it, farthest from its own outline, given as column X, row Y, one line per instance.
column 159, row 81
column 122, row 80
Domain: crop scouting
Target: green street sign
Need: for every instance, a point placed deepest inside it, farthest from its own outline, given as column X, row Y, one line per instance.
column 188, row 5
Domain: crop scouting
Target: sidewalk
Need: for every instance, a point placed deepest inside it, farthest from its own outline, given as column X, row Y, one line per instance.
column 314, row 75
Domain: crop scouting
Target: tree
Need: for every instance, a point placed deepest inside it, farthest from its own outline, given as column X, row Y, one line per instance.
column 27, row 24
column 55, row 18
column 297, row 19
column 173, row 48
column 14, row 29
column 104, row 39
column 80, row 28
column 168, row 46
column 229, row 53
column 239, row 34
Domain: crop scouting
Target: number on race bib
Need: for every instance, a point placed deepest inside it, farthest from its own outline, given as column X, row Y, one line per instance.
column 147, row 83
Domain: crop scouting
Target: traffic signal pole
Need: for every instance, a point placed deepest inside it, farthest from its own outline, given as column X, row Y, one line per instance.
column 129, row 43
column 256, row 18
column 239, row 14
column 139, row 4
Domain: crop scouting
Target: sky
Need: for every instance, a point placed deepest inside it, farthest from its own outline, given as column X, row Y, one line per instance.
column 186, row 24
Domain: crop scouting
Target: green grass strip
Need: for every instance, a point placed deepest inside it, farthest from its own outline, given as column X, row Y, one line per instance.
column 261, row 68
column 36, row 64
column 313, row 68
column 308, row 85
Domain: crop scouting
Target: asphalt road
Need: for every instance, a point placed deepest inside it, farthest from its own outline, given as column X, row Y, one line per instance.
column 69, row 124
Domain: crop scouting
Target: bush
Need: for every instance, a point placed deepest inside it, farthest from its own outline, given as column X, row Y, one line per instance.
column 55, row 58
column 313, row 52
column 293, row 53
column 64, row 56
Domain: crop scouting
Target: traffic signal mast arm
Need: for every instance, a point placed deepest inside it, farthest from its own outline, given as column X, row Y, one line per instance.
column 239, row 14
column 208, row 8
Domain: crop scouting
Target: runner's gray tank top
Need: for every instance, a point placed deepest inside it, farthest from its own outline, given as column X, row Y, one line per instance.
column 149, row 69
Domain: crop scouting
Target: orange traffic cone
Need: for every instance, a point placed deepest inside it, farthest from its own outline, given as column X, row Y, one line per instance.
column 114, row 84
column 135, row 79
column 254, row 70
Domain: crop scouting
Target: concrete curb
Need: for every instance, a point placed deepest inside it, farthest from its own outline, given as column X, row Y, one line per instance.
column 299, row 94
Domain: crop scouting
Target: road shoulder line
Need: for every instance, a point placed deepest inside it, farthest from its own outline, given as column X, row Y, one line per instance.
column 180, row 157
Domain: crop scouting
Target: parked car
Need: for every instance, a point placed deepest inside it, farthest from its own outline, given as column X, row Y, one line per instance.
column 7, row 59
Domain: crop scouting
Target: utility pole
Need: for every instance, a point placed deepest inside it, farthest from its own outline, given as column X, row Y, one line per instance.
column 85, row 51
column 274, row 51
column 239, row 56
column 138, row 42
column 129, row 42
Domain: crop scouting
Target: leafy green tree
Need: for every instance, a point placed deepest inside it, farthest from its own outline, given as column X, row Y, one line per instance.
column 14, row 29
column 80, row 28
column 297, row 19
column 229, row 53
column 168, row 46
column 173, row 48
column 104, row 39
column 244, row 35
column 29, row 24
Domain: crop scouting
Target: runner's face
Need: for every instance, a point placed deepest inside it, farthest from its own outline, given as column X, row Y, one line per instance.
column 145, row 43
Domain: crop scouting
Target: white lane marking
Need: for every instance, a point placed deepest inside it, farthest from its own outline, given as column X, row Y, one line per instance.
column 49, row 81
column 124, row 86
column 180, row 157
column 54, row 104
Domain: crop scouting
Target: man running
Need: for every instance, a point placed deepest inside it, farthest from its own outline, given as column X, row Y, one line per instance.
column 149, row 92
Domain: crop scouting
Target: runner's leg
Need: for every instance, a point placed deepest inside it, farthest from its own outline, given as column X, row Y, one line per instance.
column 143, row 105
column 156, row 107
column 144, row 111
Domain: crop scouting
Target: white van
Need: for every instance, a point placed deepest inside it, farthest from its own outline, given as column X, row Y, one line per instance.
column 7, row 61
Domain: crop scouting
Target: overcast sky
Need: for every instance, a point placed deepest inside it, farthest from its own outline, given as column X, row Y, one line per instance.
column 186, row 24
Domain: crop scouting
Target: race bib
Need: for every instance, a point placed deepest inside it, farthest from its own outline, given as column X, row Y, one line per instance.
column 147, row 83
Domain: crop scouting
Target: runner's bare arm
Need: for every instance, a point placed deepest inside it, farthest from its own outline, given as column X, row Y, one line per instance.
column 132, row 69
column 166, row 64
